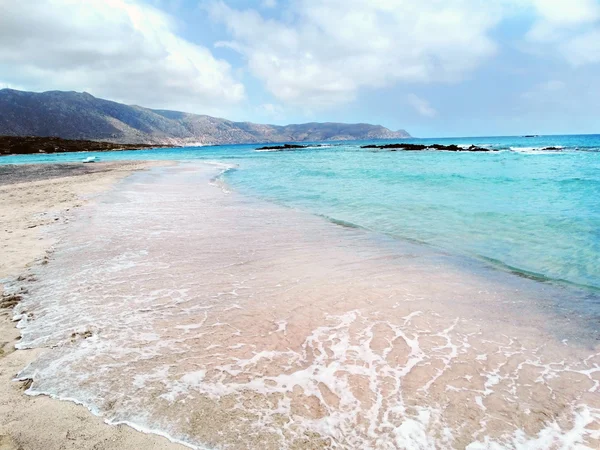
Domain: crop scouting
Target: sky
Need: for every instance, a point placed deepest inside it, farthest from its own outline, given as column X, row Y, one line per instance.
column 433, row 67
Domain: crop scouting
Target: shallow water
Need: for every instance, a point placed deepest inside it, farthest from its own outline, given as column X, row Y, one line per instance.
column 522, row 209
column 228, row 322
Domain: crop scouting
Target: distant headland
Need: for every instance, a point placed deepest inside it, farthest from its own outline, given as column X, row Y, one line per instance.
column 81, row 116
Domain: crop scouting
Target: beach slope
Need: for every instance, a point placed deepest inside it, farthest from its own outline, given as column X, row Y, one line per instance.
column 31, row 198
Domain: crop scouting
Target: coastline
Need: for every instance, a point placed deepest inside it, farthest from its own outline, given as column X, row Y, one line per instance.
column 32, row 199
column 320, row 286
column 32, row 145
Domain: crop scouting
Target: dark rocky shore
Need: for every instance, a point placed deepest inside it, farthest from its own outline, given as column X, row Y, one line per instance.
column 417, row 147
column 24, row 145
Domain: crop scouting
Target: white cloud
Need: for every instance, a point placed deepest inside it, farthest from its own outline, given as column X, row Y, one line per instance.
column 561, row 13
column 120, row 49
column 583, row 48
column 570, row 29
column 269, row 3
column 423, row 107
column 326, row 50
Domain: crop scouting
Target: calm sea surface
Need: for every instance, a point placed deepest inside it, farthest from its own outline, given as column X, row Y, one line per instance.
column 522, row 208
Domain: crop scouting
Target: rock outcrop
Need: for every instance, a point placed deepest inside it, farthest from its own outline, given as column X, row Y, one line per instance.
column 417, row 147
column 283, row 147
column 17, row 145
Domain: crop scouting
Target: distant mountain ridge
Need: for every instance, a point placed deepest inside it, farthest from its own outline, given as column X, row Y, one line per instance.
column 74, row 115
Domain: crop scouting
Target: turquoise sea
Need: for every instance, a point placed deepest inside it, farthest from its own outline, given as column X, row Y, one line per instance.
column 242, row 304
column 521, row 208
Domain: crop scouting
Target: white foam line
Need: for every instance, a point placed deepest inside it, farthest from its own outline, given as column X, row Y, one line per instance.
column 96, row 413
column 145, row 430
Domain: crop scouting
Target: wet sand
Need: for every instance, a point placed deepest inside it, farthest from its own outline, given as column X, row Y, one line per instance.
column 221, row 320
column 32, row 198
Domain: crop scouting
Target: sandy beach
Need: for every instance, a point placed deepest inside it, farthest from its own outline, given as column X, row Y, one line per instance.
column 32, row 197
column 184, row 308
column 179, row 306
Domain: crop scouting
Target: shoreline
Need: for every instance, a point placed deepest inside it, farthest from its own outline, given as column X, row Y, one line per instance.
column 35, row 199
column 421, row 316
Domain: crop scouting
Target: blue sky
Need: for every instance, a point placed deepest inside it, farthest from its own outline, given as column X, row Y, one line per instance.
column 432, row 67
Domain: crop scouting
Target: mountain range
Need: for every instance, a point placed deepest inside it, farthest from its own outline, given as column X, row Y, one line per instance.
column 75, row 115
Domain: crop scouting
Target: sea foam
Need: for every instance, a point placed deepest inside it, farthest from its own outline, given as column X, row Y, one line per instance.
column 225, row 322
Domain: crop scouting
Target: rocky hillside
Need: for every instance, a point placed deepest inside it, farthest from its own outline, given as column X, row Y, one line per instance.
column 74, row 115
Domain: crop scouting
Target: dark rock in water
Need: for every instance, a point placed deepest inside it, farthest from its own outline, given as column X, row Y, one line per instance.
column 283, row 147
column 552, row 148
column 397, row 146
column 449, row 148
column 418, row 147
column 412, row 147
column 474, row 148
